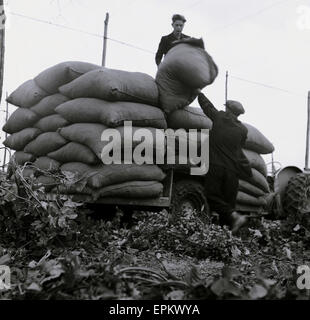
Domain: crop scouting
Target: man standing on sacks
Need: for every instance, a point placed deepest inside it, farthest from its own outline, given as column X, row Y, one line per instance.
column 166, row 42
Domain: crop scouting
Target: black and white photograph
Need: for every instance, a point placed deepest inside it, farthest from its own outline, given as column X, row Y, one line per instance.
column 154, row 154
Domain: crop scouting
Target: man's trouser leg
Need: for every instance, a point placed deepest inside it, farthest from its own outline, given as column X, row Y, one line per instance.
column 221, row 192
column 230, row 188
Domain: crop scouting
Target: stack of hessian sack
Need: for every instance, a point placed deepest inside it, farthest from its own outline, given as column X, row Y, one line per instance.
column 33, row 125
column 252, row 193
column 61, row 117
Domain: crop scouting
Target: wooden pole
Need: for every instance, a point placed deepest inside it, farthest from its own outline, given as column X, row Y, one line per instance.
column 6, row 135
column 105, row 37
column 2, row 45
column 307, row 136
column 226, row 87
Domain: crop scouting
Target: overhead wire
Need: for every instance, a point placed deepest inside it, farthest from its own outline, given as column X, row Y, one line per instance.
column 251, row 15
column 267, row 86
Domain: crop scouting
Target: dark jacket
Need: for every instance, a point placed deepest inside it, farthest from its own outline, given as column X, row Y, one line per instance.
column 165, row 45
column 227, row 137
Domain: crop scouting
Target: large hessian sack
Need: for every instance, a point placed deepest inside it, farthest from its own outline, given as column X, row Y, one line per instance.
column 20, row 158
column 17, row 141
column 81, row 170
column 257, row 142
column 256, row 161
column 54, row 77
column 88, row 134
column 184, row 69
column 113, row 85
column 72, row 189
column 20, row 119
column 47, row 105
column 189, row 118
column 112, row 114
column 28, row 172
column 118, row 173
column 153, row 137
column 46, row 163
column 27, row 95
column 259, row 181
column 250, row 189
column 131, row 189
column 45, row 143
column 72, row 152
column 241, row 207
column 51, row 123
column 149, row 143
column 245, row 198
column 47, row 182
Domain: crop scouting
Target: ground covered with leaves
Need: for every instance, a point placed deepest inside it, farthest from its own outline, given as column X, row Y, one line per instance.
column 63, row 250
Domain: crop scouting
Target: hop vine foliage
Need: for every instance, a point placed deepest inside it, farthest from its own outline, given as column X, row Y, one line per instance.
column 27, row 214
column 188, row 235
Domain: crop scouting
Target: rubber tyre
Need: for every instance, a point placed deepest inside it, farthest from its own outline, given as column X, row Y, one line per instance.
column 189, row 195
column 296, row 202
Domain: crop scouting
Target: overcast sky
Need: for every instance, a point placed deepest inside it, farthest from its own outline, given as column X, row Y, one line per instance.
column 266, row 42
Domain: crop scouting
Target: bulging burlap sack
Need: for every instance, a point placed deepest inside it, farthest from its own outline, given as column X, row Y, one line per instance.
column 158, row 144
column 17, row 141
column 45, row 143
column 112, row 114
column 47, row 182
column 46, row 163
column 27, row 95
column 54, row 77
column 51, row 123
column 81, row 170
column 250, row 189
column 241, row 207
column 245, row 198
column 256, row 161
column 47, row 105
column 186, row 68
column 20, row 119
column 74, row 152
column 257, row 142
column 259, row 181
column 88, row 134
column 72, row 189
column 118, row 173
column 189, row 118
column 131, row 189
column 28, row 172
column 113, row 85
column 20, row 158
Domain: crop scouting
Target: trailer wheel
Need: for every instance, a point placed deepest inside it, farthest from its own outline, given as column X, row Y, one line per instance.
column 296, row 202
column 189, row 195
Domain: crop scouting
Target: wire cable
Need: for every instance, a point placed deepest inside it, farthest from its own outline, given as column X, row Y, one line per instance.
column 55, row 24
column 80, row 31
column 267, row 86
column 251, row 15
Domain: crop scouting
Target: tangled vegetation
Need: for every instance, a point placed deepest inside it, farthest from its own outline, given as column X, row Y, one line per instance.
column 60, row 250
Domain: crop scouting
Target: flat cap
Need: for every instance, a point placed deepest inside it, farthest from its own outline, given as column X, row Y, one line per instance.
column 235, row 107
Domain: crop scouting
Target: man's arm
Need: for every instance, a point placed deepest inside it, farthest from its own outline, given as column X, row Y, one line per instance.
column 160, row 51
column 207, row 107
